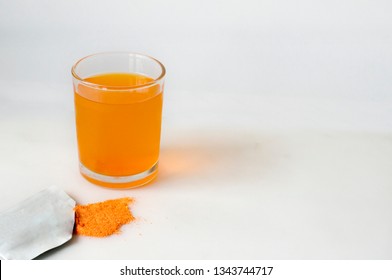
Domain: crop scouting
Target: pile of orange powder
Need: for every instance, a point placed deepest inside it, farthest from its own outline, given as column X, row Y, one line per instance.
column 103, row 218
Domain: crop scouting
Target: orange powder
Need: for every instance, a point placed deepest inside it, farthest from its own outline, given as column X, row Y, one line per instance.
column 103, row 218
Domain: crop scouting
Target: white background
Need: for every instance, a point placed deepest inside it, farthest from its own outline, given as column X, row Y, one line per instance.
column 282, row 269
column 277, row 124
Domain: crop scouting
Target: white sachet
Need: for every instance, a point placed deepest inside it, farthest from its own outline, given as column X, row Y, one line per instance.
column 37, row 224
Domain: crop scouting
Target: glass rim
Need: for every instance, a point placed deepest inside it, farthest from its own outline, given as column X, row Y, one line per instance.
column 111, row 88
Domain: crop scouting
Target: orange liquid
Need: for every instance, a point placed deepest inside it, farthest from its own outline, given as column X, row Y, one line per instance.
column 118, row 131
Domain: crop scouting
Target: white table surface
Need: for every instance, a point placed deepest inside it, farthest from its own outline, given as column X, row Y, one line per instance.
column 277, row 124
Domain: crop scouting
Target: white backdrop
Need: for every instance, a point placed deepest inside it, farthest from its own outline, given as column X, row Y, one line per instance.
column 277, row 123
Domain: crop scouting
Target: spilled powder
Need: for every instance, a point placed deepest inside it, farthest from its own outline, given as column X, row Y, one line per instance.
column 103, row 218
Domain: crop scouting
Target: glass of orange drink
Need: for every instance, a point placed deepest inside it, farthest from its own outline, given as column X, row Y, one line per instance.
column 118, row 108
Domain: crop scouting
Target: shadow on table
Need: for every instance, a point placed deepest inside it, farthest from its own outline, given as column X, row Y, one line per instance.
column 215, row 155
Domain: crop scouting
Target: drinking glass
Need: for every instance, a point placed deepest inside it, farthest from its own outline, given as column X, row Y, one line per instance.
column 118, row 107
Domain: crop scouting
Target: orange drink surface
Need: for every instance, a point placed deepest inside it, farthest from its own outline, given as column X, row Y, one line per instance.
column 118, row 122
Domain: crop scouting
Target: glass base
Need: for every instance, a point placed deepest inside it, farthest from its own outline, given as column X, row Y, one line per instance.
column 119, row 182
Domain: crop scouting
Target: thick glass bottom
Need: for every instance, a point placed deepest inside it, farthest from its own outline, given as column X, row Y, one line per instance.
column 119, row 182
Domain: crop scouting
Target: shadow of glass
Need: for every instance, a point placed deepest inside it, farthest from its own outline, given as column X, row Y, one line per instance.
column 214, row 155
